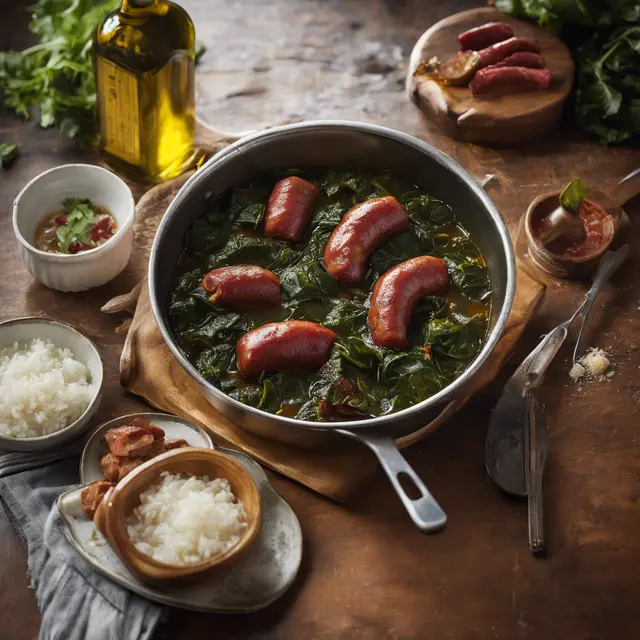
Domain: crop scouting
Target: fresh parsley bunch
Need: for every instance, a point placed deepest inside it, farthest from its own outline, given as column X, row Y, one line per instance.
column 604, row 37
column 57, row 73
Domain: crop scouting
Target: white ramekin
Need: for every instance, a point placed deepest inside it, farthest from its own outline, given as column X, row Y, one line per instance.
column 45, row 194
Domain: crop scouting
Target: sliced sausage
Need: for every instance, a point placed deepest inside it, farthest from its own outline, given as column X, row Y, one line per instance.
column 522, row 59
column 242, row 287
column 485, row 35
column 501, row 50
column 396, row 293
column 505, row 80
column 360, row 232
column 290, row 208
column 293, row 345
column 459, row 70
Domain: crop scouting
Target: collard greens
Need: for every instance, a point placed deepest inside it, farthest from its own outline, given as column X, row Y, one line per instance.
column 360, row 378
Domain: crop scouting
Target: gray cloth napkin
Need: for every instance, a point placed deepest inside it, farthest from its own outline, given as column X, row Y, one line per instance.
column 76, row 602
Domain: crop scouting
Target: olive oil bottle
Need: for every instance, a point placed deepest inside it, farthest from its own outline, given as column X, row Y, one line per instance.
column 144, row 59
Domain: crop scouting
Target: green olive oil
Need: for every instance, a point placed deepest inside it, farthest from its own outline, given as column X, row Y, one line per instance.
column 144, row 58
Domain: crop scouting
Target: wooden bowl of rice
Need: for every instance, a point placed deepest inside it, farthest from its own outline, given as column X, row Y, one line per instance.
column 183, row 516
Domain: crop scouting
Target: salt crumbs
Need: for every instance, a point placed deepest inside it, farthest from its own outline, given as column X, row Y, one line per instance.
column 594, row 365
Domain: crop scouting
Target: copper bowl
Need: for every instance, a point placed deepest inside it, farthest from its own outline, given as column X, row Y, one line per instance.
column 125, row 497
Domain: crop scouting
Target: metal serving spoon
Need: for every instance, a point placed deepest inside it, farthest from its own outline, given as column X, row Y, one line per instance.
column 515, row 448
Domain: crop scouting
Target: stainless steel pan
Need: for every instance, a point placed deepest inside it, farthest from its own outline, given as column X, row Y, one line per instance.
column 335, row 143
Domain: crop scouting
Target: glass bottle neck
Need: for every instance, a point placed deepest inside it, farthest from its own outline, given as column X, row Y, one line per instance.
column 127, row 5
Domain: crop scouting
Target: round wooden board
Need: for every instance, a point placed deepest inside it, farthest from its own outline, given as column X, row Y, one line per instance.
column 499, row 120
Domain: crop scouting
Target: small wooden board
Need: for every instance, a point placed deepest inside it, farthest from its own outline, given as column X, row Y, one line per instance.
column 502, row 120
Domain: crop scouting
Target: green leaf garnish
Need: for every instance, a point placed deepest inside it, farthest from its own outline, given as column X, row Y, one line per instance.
column 573, row 194
column 80, row 221
column 8, row 153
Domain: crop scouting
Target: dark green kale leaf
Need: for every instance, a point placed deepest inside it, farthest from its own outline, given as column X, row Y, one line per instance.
column 459, row 337
column 412, row 374
column 247, row 249
column 349, row 181
column 216, row 328
column 430, row 213
column 347, row 316
column 411, row 243
column 361, row 354
column 216, row 362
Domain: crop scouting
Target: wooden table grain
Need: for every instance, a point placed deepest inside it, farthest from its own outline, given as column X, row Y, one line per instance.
column 367, row 572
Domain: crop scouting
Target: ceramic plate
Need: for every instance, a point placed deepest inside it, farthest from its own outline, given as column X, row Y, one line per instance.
column 173, row 426
column 260, row 579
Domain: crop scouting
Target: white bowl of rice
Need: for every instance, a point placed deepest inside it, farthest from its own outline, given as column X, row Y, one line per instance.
column 51, row 378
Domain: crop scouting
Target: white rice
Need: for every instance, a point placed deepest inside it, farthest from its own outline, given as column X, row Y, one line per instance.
column 42, row 389
column 185, row 520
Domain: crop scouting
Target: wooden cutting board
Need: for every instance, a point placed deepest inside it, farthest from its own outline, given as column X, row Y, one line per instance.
column 501, row 120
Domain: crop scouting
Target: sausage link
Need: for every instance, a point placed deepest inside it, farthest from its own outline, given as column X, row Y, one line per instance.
column 505, row 80
column 242, row 287
column 485, row 35
column 361, row 231
column 289, row 208
column 293, row 345
column 501, row 50
column 522, row 59
column 396, row 293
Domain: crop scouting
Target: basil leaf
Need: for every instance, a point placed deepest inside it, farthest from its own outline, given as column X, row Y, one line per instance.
column 573, row 194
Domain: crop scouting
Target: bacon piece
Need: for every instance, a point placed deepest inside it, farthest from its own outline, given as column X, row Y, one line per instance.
column 92, row 495
column 115, row 468
column 175, row 444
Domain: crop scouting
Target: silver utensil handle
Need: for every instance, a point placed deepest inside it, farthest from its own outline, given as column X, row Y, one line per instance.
column 425, row 512
column 536, row 517
column 535, row 457
column 610, row 262
column 546, row 352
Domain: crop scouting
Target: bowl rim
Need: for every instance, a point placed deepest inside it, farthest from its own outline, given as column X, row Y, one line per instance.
column 246, row 540
column 241, row 146
column 82, row 256
column 52, row 437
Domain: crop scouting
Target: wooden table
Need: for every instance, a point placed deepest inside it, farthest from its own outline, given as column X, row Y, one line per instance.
column 367, row 572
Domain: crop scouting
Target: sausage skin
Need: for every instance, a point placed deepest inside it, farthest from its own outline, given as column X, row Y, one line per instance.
column 505, row 80
column 499, row 51
column 396, row 293
column 522, row 59
column 289, row 346
column 485, row 35
column 242, row 286
column 289, row 208
column 360, row 232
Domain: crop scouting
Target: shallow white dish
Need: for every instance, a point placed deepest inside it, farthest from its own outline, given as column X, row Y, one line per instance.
column 262, row 577
column 174, row 428
column 62, row 335
column 45, row 194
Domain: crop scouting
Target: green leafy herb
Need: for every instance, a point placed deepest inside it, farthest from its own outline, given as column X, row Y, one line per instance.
column 8, row 154
column 80, row 220
column 604, row 38
column 56, row 74
column 573, row 194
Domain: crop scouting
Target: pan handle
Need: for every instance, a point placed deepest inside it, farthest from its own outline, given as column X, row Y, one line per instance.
column 425, row 512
